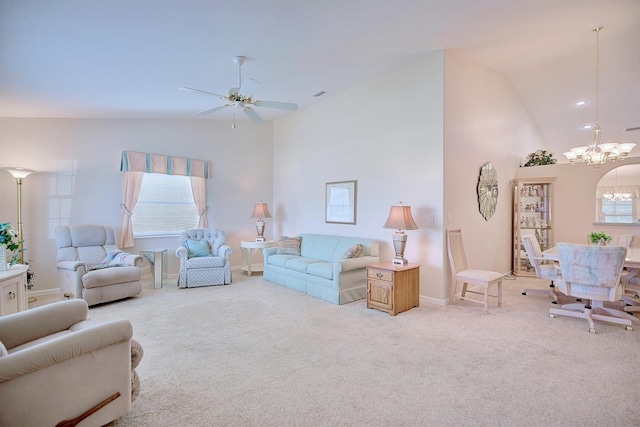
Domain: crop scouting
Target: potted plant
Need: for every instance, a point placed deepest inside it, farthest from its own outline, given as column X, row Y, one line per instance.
column 599, row 238
column 540, row 157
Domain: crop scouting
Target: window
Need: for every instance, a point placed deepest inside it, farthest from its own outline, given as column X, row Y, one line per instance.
column 165, row 206
column 618, row 210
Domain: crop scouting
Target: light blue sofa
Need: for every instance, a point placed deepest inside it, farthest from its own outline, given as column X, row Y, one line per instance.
column 319, row 270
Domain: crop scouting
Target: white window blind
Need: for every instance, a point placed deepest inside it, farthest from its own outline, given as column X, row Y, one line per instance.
column 618, row 210
column 165, row 206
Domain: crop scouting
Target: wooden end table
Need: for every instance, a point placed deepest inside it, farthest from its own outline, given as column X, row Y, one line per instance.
column 393, row 288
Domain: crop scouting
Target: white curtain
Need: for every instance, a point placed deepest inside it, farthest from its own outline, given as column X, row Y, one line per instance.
column 131, row 185
column 199, row 189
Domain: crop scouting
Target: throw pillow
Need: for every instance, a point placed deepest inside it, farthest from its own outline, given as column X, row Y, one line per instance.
column 197, row 248
column 289, row 245
column 352, row 252
column 3, row 350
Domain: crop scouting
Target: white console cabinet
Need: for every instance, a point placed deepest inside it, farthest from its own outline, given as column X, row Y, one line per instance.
column 13, row 289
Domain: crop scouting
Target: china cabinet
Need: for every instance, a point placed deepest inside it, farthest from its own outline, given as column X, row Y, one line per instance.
column 532, row 214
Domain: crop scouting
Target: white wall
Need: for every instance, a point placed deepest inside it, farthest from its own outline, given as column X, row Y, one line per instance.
column 388, row 135
column 240, row 159
column 485, row 121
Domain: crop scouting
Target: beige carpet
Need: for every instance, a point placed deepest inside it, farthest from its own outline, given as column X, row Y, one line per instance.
column 254, row 353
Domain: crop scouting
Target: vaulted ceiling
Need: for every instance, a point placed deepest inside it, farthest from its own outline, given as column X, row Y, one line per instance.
column 127, row 58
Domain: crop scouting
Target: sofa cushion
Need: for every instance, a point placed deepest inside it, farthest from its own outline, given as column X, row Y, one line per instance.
column 321, row 269
column 111, row 276
column 300, row 263
column 280, row 260
column 352, row 252
column 3, row 350
column 205, row 262
column 289, row 245
column 197, row 248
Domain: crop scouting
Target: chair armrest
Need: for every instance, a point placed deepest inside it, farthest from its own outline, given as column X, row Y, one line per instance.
column 29, row 325
column 225, row 251
column 182, row 252
column 133, row 260
column 64, row 348
column 72, row 266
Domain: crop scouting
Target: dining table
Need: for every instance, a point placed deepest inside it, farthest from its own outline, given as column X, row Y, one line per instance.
column 631, row 263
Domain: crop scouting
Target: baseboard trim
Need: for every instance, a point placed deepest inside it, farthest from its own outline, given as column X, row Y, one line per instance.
column 43, row 292
column 435, row 301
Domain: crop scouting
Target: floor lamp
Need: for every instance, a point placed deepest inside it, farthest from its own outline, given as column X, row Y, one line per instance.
column 19, row 174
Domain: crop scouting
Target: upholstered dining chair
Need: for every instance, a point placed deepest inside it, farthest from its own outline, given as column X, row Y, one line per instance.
column 591, row 273
column 461, row 274
column 204, row 258
column 544, row 269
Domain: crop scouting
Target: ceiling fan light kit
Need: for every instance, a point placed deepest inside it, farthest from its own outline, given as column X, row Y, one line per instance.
column 241, row 98
column 598, row 153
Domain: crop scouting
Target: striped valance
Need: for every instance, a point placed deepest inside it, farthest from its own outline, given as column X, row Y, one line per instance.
column 133, row 161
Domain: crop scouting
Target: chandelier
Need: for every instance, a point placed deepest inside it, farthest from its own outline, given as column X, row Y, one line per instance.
column 598, row 153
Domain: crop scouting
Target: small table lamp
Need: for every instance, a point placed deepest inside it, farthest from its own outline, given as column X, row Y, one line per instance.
column 260, row 210
column 400, row 218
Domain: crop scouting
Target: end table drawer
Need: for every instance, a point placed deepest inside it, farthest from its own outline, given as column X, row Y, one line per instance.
column 380, row 274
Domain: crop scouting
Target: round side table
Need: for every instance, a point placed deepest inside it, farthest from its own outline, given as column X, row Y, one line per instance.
column 248, row 248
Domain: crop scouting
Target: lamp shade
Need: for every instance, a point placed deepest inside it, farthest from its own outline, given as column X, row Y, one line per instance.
column 19, row 172
column 400, row 218
column 261, row 210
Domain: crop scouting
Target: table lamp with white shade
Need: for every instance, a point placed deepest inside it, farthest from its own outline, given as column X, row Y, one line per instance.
column 400, row 218
column 260, row 210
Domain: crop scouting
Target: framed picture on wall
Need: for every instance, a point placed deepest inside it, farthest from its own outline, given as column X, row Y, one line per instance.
column 340, row 202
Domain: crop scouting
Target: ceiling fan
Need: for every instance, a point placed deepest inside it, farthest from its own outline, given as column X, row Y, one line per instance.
column 241, row 97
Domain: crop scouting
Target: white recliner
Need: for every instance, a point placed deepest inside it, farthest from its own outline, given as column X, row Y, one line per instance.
column 56, row 364
column 91, row 267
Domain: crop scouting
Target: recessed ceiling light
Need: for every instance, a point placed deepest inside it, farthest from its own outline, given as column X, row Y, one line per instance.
column 587, row 127
column 317, row 94
column 581, row 103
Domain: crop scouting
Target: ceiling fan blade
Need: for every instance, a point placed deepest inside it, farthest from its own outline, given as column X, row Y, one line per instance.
column 213, row 110
column 248, row 86
column 274, row 104
column 253, row 116
column 203, row 92
column 634, row 128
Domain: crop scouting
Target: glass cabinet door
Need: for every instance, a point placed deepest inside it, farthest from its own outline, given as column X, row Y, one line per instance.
column 532, row 214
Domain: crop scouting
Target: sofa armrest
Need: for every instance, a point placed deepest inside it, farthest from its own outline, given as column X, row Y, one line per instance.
column 225, row 251
column 267, row 252
column 64, row 348
column 354, row 263
column 29, row 325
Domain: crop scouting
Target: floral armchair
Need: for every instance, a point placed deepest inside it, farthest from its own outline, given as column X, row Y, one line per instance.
column 204, row 258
